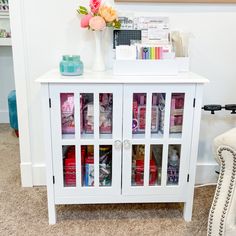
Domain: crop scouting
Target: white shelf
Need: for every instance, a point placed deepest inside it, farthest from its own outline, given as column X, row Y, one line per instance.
column 5, row 41
column 158, row 135
column 68, row 136
column 175, row 135
column 105, row 136
column 87, row 136
column 91, row 136
column 4, row 15
column 138, row 136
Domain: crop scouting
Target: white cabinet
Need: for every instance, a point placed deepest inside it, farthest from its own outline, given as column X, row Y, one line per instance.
column 111, row 139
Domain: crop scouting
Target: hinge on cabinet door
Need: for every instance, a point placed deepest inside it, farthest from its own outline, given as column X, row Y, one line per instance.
column 194, row 101
column 53, row 179
column 188, row 178
column 50, row 104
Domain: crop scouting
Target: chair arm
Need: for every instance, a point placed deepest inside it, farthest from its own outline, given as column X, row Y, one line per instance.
column 222, row 216
column 226, row 139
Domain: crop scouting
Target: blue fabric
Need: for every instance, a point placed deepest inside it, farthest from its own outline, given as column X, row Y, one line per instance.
column 12, row 110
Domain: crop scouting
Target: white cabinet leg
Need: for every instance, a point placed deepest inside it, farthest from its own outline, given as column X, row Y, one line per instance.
column 52, row 214
column 188, row 207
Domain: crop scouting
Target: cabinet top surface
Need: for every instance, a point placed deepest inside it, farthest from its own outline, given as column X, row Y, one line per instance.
column 54, row 76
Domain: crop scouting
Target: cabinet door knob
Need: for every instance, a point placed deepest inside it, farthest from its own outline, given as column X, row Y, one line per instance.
column 117, row 144
column 127, row 144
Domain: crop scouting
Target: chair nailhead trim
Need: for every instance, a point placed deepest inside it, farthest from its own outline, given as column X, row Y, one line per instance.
column 217, row 192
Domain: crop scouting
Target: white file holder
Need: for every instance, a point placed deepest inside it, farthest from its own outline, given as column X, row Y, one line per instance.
column 151, row 67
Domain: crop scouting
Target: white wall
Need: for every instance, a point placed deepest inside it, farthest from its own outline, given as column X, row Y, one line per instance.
column 55, row 30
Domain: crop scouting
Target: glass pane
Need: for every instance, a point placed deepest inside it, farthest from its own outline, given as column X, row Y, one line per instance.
column 139, row 113
column 173, row 164
column 105, row 119
column 69, row 166
column 87, row 165
column 176, row 115
column 155, row 165
column 158, row 114
column 67, row 115
column 105, row 165
column 87, row 114
column 138, row 152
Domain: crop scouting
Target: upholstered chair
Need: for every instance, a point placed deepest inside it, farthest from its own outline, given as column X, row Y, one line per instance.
column 222, row 216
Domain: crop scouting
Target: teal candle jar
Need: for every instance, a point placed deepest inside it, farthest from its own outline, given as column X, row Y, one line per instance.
column 78, row 64
column 71, row 65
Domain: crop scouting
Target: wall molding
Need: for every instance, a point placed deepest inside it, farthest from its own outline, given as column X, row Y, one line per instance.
column 26, row 174
column 39, row 174
column 205, row 174
column 4, row 117
column 20, row 62
column 33, row 174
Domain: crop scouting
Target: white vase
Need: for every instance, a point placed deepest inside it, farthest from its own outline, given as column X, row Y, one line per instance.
column 98, row 61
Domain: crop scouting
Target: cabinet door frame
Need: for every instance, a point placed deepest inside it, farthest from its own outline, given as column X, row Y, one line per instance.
column 166, row 140
column 58, row 141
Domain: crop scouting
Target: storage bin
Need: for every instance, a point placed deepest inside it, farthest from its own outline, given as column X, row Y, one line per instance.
column 13, row 111
column 151, row 67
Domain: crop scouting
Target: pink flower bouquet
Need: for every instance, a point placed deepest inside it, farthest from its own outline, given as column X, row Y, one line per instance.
column 98, row 16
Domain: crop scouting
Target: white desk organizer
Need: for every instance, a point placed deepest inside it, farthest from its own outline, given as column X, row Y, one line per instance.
column 151, row 67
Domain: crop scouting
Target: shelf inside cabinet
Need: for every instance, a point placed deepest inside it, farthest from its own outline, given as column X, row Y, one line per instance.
column 5, row 41
column 87, row 136
column 105, row 136
column 158, row 135
column 139, row 136
column 91, row 136
column 153, row 136
column 68, row 136
column 4, row 15
column 175, row 135
column 172, row 185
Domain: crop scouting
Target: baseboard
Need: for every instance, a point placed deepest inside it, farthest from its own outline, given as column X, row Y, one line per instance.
column 39, row 175
column 205, row 173
column 26, row 174
column 33, row 175
column 4, row 116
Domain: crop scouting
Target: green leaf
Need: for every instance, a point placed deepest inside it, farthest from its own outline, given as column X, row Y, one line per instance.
column 82, row 10
column 117, row 24
column 114, row 24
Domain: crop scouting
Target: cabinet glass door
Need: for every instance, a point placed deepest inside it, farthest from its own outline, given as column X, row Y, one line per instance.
column 86, row 136
column 157, row 138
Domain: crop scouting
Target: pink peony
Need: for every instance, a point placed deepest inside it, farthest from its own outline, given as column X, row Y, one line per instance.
column 97, row 23
column 85, row 21
column 94, row 5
